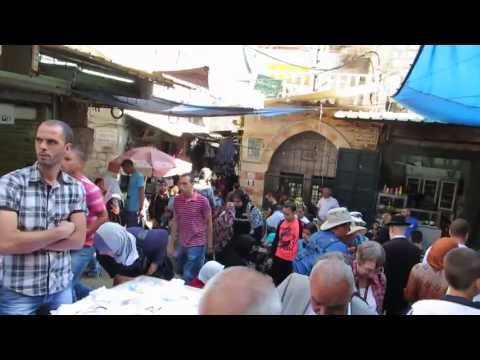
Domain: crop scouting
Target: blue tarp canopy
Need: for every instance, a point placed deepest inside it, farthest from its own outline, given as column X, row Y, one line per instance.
column 443, row 84
column 172, row 108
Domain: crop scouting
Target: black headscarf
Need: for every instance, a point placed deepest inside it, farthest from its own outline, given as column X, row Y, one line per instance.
column 242, row 225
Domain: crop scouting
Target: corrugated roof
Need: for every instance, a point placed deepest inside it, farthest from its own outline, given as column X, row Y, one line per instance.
column 98, row 60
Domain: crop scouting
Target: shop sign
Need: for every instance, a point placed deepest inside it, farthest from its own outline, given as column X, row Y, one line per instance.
column 7, row 114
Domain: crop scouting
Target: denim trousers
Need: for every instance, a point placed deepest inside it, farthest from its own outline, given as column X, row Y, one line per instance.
column 13, row 303
column 80, row 260
column 189, row 261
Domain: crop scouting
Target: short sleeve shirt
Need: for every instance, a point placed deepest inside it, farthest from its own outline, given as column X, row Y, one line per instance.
column 39, row 207
column 191, row 215
column 95, row 205
column 325, row 205
column 289, row 235
column 136, row 182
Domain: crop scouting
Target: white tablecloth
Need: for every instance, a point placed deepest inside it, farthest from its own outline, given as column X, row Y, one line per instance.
column 144, row 295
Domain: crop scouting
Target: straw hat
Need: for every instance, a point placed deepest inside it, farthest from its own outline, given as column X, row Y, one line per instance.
column 357, row 229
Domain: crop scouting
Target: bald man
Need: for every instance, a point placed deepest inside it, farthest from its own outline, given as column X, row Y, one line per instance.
column 240, row 291
column 331, row 288
column 328, row 291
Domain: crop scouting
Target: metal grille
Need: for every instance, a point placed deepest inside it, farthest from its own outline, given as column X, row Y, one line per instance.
column 316, row 194
column 295, row 189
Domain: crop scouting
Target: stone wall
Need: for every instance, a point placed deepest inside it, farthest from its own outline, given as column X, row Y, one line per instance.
column 270, row 133
column 110, row 139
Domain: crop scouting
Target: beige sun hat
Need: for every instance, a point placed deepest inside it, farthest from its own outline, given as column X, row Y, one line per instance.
column 357, row 229
column 336, row 217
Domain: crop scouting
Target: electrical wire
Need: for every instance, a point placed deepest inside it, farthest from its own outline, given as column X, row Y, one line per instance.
column 309, row 67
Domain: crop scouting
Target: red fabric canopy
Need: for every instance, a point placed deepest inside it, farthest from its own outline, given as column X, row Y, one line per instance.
column 197, row 76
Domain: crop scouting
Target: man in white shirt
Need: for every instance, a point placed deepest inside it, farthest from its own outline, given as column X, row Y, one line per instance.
column 459, row 230
column 462, row 272
column 112, row 187
column 326, row 203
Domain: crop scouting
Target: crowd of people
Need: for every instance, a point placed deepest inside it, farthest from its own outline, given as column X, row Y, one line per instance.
column 289, row 258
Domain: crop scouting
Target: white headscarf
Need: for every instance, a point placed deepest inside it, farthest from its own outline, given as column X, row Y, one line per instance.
column 209, row 270
column 115, row 240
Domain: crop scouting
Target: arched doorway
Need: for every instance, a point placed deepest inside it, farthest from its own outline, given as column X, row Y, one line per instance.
column 301, row 166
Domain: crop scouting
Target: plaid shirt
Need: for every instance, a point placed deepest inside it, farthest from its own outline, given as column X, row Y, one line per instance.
column 23, row 191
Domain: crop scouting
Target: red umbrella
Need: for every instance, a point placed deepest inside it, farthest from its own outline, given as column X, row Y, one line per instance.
column 148, row 160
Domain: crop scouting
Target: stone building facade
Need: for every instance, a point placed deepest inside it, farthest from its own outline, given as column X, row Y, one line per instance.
column 109, row 140
column 264, row 138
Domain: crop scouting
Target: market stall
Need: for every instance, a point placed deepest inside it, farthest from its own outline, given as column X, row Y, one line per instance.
column 431, row 194
column 144, row 295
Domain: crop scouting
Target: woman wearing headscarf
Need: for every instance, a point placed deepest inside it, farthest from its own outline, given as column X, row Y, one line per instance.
column 128, row 253
column 238, row 228
column 248, row 219
column 427, row 281
column 208, row 271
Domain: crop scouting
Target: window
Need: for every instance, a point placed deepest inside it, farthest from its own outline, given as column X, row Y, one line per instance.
column 254, row 149
column 295, row 189
column 316, row 194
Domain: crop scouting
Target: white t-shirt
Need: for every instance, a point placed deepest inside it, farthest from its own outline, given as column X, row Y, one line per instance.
column 275, row 219
column 424, row 261
column 371, row 302
column 113, row 188
column 441, row 307
column 325, row 205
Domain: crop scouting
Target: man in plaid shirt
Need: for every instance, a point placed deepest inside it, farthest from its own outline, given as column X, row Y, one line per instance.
column 42, row 217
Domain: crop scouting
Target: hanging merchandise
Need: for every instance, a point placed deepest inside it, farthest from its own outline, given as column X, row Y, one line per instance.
column 226, row 152
column 210, row 152
column 227, row 157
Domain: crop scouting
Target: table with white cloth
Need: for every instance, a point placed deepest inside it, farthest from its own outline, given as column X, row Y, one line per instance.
column 143, row 295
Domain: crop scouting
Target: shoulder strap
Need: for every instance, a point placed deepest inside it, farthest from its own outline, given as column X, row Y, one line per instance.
column 286, row 289
column 300, row 228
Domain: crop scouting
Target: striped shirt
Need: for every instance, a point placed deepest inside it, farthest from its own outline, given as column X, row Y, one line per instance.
column 191, row 216
column 95, row 205
column 39, row 207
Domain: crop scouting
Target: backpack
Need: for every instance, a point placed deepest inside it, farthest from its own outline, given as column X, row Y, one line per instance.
column 305, row 260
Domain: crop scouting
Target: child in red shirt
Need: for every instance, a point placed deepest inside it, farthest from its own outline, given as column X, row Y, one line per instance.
column 285, row 245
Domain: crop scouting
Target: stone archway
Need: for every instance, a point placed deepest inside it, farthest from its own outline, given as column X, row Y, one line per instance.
column 314, row 125
column 301, row 164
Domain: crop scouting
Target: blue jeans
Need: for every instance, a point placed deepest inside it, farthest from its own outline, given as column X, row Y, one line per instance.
column 80, row 260
column 13, row 303
column 189, row 261
column 93, row 268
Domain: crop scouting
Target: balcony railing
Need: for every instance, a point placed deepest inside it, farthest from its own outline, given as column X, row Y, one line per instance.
column 362, row 89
